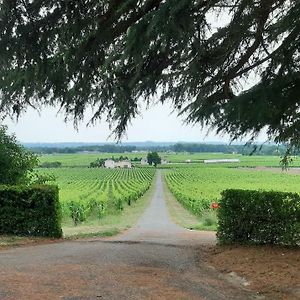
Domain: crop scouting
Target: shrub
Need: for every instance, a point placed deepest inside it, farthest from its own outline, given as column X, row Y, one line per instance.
column 30, row 210
column 259, row 217
column 98, row 163
column 15, row 161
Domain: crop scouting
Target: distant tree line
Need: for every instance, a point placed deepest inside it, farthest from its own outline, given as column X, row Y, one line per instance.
column 68, row 150
column 178, row 147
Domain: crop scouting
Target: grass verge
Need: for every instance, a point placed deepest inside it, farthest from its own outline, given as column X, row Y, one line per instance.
column 101, row 233
column 8, row 241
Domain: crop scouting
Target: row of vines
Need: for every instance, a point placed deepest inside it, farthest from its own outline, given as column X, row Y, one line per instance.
column 198, row 188
column 93, row 193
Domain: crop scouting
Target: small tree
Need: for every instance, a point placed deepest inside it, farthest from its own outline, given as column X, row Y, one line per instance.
column 153, row 159
column 15, row 161
column 98, row 163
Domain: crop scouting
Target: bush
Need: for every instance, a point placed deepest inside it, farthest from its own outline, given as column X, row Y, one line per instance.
column 15, row 161
column 33, row 210
column 98, row 163
column 259, row 217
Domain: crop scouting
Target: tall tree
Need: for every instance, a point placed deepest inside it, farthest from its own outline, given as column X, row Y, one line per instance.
column 108, row 54
column 15, row 161
column 153, row 159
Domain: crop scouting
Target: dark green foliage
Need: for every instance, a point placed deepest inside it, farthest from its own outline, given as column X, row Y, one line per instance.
column 108, row 54
column 15, row 161
column 30, row 211
column 136, row 159
column 153, row 159
column 97, row 163
column 62, row 148
column 52, row 164
column 259, row 217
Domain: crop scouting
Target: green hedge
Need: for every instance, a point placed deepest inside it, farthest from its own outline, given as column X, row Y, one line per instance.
column 31, row 211
column 259, row 217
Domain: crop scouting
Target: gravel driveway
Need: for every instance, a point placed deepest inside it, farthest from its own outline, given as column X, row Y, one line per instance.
column 154, row 260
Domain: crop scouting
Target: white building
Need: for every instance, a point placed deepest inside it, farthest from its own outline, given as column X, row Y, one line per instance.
column 163, row 162
column 123, row 164
column 144, row 161
column 188, row 161
column 109, row 164
column 217, row 161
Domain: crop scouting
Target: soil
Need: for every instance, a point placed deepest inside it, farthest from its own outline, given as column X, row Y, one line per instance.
column 271, row 271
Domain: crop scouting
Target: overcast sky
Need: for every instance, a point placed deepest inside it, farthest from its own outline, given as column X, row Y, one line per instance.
column 155, row 124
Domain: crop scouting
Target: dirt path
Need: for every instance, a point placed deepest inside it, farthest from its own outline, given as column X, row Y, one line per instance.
column 154, row 260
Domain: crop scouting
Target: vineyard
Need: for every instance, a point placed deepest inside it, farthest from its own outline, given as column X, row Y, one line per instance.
column 197, row 188
column 94, row 193
column 84, row 159
column 91, row 193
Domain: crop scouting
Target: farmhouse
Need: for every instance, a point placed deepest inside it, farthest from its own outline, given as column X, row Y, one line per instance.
column 109, row 164
column 123, row 164
column 217, row 161
column 144, row 161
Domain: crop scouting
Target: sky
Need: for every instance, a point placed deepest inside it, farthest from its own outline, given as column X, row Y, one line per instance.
column 155, row 124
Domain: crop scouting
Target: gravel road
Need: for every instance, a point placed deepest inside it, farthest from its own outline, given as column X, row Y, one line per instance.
column 154, row 260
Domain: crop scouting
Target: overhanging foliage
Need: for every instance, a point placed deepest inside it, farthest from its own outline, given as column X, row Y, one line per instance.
column 109, row 54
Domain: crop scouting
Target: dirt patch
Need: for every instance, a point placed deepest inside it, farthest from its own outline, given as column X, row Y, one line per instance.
column 271, row 271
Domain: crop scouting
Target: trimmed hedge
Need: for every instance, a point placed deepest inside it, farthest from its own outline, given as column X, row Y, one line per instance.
column 30, row 211
column 259, row 217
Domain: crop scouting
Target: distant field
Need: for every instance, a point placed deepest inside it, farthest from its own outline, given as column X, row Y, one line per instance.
column 84, row 159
